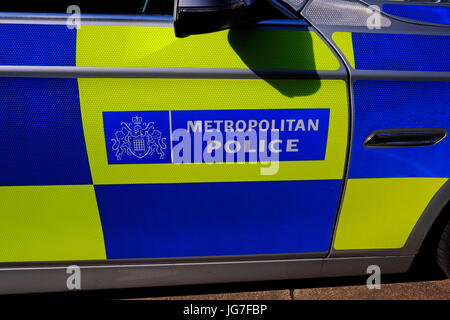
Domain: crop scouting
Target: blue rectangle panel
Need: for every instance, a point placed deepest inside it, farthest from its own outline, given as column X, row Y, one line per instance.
column 41, row 133
column 37, row 45
column 211, row 219
column 137, row 136
column 427, row 13
column 400, row 104
column 232, row 135
column 404, row 52
column 301, row 134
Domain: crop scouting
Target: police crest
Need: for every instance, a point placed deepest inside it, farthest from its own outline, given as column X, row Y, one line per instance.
column 139, row 139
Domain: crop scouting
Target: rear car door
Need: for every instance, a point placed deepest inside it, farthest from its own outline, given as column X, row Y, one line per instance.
column 397, row 54
column 121, row 141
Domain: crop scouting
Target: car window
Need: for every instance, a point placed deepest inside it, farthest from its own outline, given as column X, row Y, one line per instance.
column 92, row 6
column 158, row 6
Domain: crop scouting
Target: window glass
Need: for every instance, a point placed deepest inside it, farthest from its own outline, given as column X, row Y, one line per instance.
column 91, row 6
column 162, row 7
column 158, row 6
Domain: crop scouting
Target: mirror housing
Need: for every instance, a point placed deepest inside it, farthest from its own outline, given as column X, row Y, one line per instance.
column 203, row 16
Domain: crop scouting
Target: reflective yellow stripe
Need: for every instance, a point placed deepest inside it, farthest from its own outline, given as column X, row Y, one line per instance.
column 50, row 223
column 134, row 46
column 344, row 42
column 381, row 213
column 98, row 95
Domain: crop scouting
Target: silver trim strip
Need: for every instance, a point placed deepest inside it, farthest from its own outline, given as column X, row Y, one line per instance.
column 95, row 277
column 143, row 72
column 360, row 74
column 132, row 20
column 184, row 260
column 106, row 20
column 213, row 73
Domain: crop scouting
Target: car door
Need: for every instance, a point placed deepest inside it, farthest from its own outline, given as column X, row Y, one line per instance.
column 397, row 54
column 121, row 141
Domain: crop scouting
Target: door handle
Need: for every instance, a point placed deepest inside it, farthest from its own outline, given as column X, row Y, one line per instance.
column 404, row 137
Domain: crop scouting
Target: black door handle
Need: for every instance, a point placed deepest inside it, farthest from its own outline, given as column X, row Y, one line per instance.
column 404, row 137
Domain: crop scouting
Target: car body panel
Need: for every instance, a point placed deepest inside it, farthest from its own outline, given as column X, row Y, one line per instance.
column 159, row 222
column 154, row 207
column 398, row 74
column 391, row 206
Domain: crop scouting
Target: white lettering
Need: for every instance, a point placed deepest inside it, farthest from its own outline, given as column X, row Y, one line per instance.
column 196, row 128
column 314, row 126
column 291, row 145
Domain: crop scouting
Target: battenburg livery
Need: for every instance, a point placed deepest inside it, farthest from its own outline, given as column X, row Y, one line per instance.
column 146, row 150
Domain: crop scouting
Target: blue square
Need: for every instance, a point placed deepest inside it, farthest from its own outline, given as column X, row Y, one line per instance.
column 137, row 137
column 41, row 133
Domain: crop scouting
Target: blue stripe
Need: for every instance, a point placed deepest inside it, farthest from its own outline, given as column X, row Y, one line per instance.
column 400, row 104
column 433, row 14
column 404, row 52
column 41, row 133
column 37, row 45
column 210, row 219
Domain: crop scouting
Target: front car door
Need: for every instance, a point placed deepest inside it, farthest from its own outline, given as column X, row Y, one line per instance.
column 121, row 141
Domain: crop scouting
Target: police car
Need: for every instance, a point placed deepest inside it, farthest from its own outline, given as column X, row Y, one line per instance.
column 151, row 144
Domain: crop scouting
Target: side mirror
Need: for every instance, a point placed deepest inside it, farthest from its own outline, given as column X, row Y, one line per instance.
column 203, row 16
